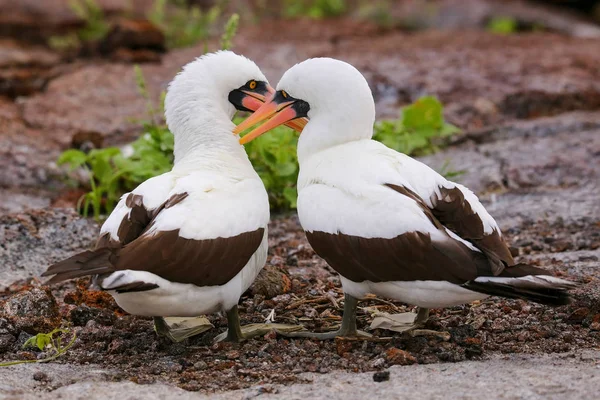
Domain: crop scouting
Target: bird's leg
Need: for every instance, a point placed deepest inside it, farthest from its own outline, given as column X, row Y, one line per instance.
column 347, row 329
column 234, row 329
column 161, row 327
column 422, row 317
column 236, row 332
column 412, row 325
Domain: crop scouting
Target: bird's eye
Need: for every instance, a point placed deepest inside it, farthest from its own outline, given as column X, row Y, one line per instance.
column 284, row 94
column 252, row 84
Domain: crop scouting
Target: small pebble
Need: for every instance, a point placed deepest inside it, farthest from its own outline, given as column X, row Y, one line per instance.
column 381, row 376
column 201, row 365
column 40, row 376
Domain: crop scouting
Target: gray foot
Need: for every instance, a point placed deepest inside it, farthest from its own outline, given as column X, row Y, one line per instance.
column 347, row 329
column 236, row 333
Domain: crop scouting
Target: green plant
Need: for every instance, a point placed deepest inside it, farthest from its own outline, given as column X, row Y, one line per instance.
column 95, row 24
column 418, row 130
column 111, row 172
column 182, row 24
column 231, row 27
column 377, row 11
column 502, row 25
column 95, row 27
column 313, row 8
column 273, row 156
column 46, row 341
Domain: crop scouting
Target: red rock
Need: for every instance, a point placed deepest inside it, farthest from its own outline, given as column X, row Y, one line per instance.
column 32, row 311
column 24, row 70
column 343, row 346
column 578, row 315
column 36, row 21
column 133, row 34
column 399, row 357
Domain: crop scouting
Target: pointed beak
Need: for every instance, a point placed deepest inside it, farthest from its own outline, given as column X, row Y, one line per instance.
column 253, row 101
column 279, row 114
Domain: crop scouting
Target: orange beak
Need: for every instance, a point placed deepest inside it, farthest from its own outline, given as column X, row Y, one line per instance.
column 279, row 114
column 253, row 101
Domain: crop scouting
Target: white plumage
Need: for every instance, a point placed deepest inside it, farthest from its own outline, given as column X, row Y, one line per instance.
column 192, row 240
column 389, row 224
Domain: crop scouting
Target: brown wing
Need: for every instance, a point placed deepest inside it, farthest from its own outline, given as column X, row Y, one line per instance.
column 166, row 254
column 455, row 212
column 132, row 225
column 408, row 257
column 99, row 261
column 201, row 262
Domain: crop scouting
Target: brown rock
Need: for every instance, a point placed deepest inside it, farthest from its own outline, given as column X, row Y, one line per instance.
column 22, row 19
column 343, row 346
column 579, row 315
column 24, row 70
column 399, row 357
column 271, row 282
column 33, row 311
column 133, row 34
column 35, row 21
column 135, row 55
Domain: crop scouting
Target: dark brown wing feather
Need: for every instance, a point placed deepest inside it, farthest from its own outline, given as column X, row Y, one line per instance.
column 407, row 257
column 201, row 262
column 166, row 254
column 452, row 210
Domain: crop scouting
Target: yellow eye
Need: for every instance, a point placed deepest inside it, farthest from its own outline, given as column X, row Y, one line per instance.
column 252, row 84
column 284, row 94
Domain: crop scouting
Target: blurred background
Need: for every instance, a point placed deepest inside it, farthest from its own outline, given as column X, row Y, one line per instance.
column 89, row 75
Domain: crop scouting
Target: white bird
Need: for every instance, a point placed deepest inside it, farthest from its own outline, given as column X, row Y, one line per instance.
column 388, row 224
column 191, row 241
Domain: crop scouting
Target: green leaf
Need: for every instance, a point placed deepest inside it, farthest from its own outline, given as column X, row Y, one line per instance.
column 286, row 169
column 42, row 340
column 31, row 342
column 425, row 113
column 75, row 158
column 502, row 25
column 291, row 195
column 417, row 131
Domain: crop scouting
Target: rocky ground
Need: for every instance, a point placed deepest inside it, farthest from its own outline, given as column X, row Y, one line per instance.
column 530, row 107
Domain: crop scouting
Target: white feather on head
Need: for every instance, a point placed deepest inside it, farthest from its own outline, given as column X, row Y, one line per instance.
column 342, row 108
column 197, row 108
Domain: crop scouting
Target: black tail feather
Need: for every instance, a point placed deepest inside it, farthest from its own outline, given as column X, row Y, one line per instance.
column 543, row 295
column 83, row 264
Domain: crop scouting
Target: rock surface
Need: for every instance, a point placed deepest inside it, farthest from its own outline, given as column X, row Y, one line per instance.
column 32, row 311
column 506, row 377
column 30, row 242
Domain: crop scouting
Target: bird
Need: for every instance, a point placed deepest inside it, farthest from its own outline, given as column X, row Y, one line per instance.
column 189, row 242
column 387, row 223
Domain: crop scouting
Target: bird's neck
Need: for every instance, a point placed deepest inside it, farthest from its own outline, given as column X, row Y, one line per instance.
column 323, row 133
column 207, row 142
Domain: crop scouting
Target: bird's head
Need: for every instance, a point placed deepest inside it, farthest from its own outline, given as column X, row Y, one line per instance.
column 202, row 99
column 330, row 91
column 215, row 84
